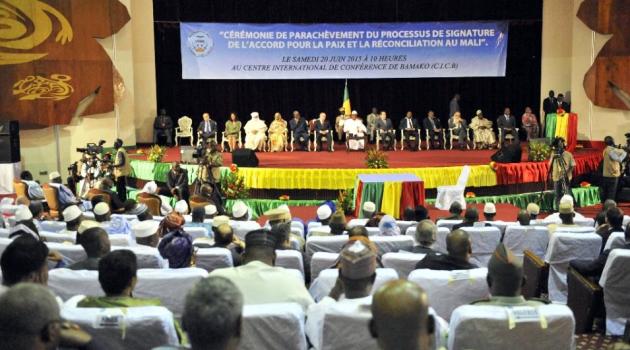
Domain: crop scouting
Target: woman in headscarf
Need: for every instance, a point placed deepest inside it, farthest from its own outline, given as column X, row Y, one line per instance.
column 172, row 222
column 255, row 133
column 278, row 133
column 388, row 226
column 177, row 248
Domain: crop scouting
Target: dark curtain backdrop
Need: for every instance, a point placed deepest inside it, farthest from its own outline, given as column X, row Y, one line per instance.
column 518, row 89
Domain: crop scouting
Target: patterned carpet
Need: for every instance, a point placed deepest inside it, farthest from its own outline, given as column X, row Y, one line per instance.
column 594, row 341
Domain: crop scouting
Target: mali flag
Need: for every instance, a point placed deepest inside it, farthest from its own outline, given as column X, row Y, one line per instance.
column 346, row 100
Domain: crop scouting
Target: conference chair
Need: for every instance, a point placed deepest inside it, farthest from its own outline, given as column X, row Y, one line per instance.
column 404, row 225
column 53, row 237
column 429, row 141
column 297, row 228
column 387, row 244
column 321, row 261
column 200, row 139
column 320, row 139
column 290, row 259
column 313, row 224
column 184, row 129
column 615, row 240
column 196, row 232
column 484, row 242
column 241, row 228
column 448, row 224
column 380, row 135
column 141, row 328
column 499, row 328
column 20, row 188
column 52, row 199
column 615, row 281
column 152, row 201
column 518, row 239
column 147, row 257
column 210, row 259
column 446, row 195
column 224, row 140
column 330, row 244
column 324, row 283
column 416, row 134
column 273, row 326
column 536, row 272
column 52, row 226
column 293, row 141
column 356, row 222
column 454, row 137
column 585, row 298
column 93, row 192
column 373, row 231
column 71, row 253
column 449, row 289
column 66, row 283
column 343, row 330
column 564, row 247
column 402, row 262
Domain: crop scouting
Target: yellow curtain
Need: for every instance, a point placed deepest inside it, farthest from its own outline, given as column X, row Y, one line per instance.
column 390, row 203
column 562, row 126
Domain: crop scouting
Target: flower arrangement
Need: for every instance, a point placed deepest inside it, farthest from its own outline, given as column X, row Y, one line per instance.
column 284, row 197
column 375, row 159
column 470, row 194
column 539, row 151
column 156, row 153
column 585, row 184
column 233, row 184
column 344, row 201
column 560, row 111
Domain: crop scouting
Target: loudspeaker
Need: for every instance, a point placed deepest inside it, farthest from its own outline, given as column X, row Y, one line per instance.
column 245, row 158
column 510, row 153
column 9, row 142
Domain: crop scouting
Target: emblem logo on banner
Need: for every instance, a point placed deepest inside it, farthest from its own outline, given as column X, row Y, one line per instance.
column 200, row 43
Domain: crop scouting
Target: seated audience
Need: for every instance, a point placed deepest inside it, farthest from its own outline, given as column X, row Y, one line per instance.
column 358, row 231
column 337, row 223
column 172, row 222
column 240, row 211
column 150, row 189
column 566, row 214
column 369, row 208
column 25, row 259
column 614, row 221
column 106, row 186
column 113, row 224
column 489, row 211
column 409, row 214
column 101, row 212
column 177, row 182
column 324, row 213
column 355, row 132
column 37, row 210
column 400, row 317
column 177, row 248
column 213, row 314
column 505, row 279
column 555, row 217
column 24, row 223
column 533, row 210
column 141, row 211
column 523, row 218
column 198, row 217
column 600, row 219
column 95, row 242
column 65, row 196
column 30, row 319
column 455, row 211
column 471, row 218
column 146, row 233
column 426, row 233
column 421, row 213
column 258, row 279
column 84, row 226
column 594, row 268
column 388, row 226
column 73, row 216
column 459, row 250
column 224, row 238
column 34, row 189
column 280, row 217
column 357, row 273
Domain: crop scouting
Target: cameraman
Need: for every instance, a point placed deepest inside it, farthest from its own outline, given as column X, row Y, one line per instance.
column 611, row 171
column 122, row 169
column 214, row 161
column 561, row 164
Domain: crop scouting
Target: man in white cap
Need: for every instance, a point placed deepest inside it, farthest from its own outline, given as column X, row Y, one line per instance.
column 113, row 224
column 24, row 223
column 255, row 133
column 482, row 130
column 73, row 216
column 566, row 215
column 356, row 131
column 489, row 211
column 555, row 217
column 64, row 194
column 357, row 273
column 181, row 207
column 324, row 213
column 240, row 211
column 369, row 208
column 150, row 190
column 533, row 210
column 210, row 211
column 102, row 213
column 146, row 232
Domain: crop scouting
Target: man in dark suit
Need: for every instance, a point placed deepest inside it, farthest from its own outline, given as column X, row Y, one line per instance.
column 409, row 130
column 177, row 182
column 385, row 127
column 207, row 128
column 560, row 103
column 459, row 250
column 550, row 103
column 432, row 124
column 507, row 124
column 163, row 126
column 299, row 128
column 323, row 131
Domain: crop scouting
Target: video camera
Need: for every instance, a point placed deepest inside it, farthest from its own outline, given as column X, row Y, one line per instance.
column 92, row 148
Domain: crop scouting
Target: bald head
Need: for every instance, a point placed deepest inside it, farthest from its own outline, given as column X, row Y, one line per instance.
column 523, row 218
column 458, row 244
column 400, row 316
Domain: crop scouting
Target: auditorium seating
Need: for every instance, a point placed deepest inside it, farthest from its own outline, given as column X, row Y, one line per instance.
column 356, row 222
column 139, row 328
column 71, row 252
column 52, row 199
column 521, row 238
column 52, row 226
column 484, row 241
column 241, row 228
column 210, row 259
column 387, row 244
column 147, row 257
column 329, row 244
column 536, row 273
column 324, row 283
column 273, row 326
column 343, row 331
column 585, row 298
column 290, row 259
column 196, row 232
column 58, row 237
column 449, row 289
column 448, row 224
column 615, row 281
column 321, row 261
column 499, row 328
column 615, row 240
column 68, row 283
column 402, row 262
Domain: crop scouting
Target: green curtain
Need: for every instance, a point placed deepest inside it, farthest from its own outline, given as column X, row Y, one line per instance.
column 372, row 192
column 149, row 171
column 550, row 125
column 259, row 206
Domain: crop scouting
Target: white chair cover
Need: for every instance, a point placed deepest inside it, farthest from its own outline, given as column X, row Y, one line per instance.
column 448, row 223
column 147, row 257
column 356, row 222
column 4, row 233
column 626, row 220
column 52, row 226
column 121, row 240
column 319, row 231
column 322, row 261
column 446, row 195
column 586, row 222
column 501, row 225
column 139, row 328
column 404, row 225
column 196, row 232
column 564, row 247
column 330, row 244
column 387, row 244
column 242, row 228
column 402, row 262
column 323, row 284
column 210, row 259
column 290, row 259
column 67, row 283
column 574, row 229
column 449, row 289
column 500, row 328
column 441, row 232
column 373, row 231
column 615, row 240
column 296, row 225
column 520, row 238
column 71, row 252
column 168, row 285
column 615, row 281
column 343, row 331
column 53, row 237
column 312, row 225
column 273, row 326
column 484, row 243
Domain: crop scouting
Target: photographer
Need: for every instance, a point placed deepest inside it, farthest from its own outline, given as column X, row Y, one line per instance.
column 122, row 169
column 611, row 171
column 561, row 164
column 214, row 161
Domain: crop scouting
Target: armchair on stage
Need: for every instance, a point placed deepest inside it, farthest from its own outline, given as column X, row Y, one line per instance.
column 294, row 140
column 200, row 139
column 319, row 138
column 380, row 135
column 224, row 140
column 184, row 129
column 454, row 137
column 415, row 133
column 446, row 195
column 358, row 138
column 427, row 133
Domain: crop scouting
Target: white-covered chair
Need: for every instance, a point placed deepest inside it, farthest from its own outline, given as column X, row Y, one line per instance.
column 404, row 225
column 356, row 222
column 321, row 261
column 586, row 222
column 500, row 328
column 71, row 252
column 615, row 281
column 242, row 228
column 342, row 330
column 324, row 283
column 184, row 129
column 121, row 240
column 448, row 223
column 501, row 225
column 297, row 227
column 564, row 247
column 147, row 257
column 57, row 237
column 329, row 244
column 575, row 229
column 615, row 240
column 402, row 262
column 484, row 242
column 441, row 232
column 446, row 195
column 313, row 224
column 168, row 285
column 318, row 231
column 520, row 238
column 4, row 233
column 196, row 232
column 373, row 231
column 139, row 328
column 210, row 259
column 67, row 283
column 387, row 244
column 626, row 220
column 273, row 326
column 52, row 226
column 290, row 259
column 449, row 289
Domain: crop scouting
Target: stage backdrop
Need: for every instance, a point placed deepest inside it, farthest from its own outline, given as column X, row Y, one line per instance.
column 320, row 51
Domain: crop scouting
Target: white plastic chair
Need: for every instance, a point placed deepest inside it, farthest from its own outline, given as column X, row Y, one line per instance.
column 57, row 237
column 210, row 259
column 449, row 289
column 520, row 238
column 324, row 283
column 615, row 281
column 446, row 195
column 242, row 228
column 273, row 326
column 52, row 226
column 168, row 285
column 290, row 259
column 140, row 328
column 402, row 262
column 330, row 244
column 564, row 247
column 321, row 261
column 184, row 129
column 615, row 240
column 404, row 225
column 484, row 242
column 387, row 244
column 523, row 328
